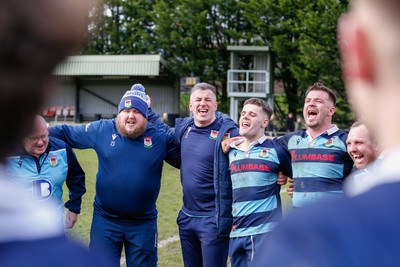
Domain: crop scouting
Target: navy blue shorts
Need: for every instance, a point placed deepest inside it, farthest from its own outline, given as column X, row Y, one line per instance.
column 243, row 249
column 139, row 239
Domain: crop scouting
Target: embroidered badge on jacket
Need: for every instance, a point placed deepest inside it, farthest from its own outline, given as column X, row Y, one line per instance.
column 53, row 161
column 147, row 141
column 263, row 153
column 213, row 134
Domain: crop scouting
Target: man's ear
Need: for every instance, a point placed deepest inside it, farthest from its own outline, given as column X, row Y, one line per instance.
column 265, row 123
column 332, row 111
column 354, row 48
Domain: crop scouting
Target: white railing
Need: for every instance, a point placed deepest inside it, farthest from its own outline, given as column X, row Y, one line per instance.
column 248, row 83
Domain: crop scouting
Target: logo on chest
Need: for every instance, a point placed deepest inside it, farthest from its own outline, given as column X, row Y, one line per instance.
column 329, row 142
column 213, row 135
column 147, row 141
column 53, row 160
column 263, row 153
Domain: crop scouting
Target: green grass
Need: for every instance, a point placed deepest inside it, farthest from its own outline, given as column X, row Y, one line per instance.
column 81, row 230
column 168, row 204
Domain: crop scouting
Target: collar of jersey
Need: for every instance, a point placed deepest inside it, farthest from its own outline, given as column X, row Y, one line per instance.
column 238, row 142
column 330, row 131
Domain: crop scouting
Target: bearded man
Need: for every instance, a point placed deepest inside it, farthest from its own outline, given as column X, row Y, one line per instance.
column 131, row 153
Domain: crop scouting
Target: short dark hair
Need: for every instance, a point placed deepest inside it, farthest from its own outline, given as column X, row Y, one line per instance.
column 204, row 86
column 321, row 87
column 260, row 103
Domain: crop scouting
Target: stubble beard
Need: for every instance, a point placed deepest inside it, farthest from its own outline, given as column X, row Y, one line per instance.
column 138, row 131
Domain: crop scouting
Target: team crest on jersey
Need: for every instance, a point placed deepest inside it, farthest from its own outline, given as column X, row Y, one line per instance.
column 213, row 134
column 329, row 142
column 227, row 135
column 147, row 141
column 128, row 103
column 53, row 161
column 263, row 153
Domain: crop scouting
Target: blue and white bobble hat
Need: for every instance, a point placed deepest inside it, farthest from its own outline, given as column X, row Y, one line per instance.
column 134, row 98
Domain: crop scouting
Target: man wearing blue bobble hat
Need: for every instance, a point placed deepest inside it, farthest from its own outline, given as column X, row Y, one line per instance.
column 131, row 154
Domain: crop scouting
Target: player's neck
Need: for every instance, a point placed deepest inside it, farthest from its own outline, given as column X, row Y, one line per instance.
column 202, row 124
column 314, row 132
column 248, row 141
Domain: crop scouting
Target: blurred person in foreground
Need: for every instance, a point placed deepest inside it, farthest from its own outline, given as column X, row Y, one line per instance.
column 42, row 166
column 361, row 230
column 35, row 36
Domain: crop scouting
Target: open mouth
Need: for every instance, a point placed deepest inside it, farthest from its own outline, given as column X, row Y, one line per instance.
column 245, row 124
column 358, row 157
column 311, row 114
column 202, row 111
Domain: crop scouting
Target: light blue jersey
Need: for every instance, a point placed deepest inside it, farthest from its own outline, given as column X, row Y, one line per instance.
column 319, row 165
column 256, row 204
column 44, row 177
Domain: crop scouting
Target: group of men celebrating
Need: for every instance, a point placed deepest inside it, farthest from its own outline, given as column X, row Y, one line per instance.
column 230, row 203
column 327, row 227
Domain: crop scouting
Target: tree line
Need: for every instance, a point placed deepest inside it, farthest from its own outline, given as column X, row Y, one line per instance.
column 192, row 36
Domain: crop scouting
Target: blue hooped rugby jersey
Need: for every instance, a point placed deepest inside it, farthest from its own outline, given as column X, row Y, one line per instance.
column 319, row 166
column 129, row 173
column 256, row 204
column 45, row 176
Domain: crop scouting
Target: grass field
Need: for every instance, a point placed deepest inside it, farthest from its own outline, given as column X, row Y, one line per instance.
column 168, row 205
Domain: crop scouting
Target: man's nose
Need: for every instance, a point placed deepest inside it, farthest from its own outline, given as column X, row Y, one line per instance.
column 131, row 113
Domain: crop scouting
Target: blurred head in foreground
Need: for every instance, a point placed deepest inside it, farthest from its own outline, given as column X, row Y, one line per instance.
column 369, row 39
column 35, row 36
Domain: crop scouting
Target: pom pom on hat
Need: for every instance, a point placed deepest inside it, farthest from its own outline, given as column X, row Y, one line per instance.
column 134, row 98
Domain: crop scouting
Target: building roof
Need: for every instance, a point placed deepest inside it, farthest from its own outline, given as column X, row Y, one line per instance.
column 247, row 48
column 110, row 65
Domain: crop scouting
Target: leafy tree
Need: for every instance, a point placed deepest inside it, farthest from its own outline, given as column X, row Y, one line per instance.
column 302, row 37
column 122, row 27
column 192, row 35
